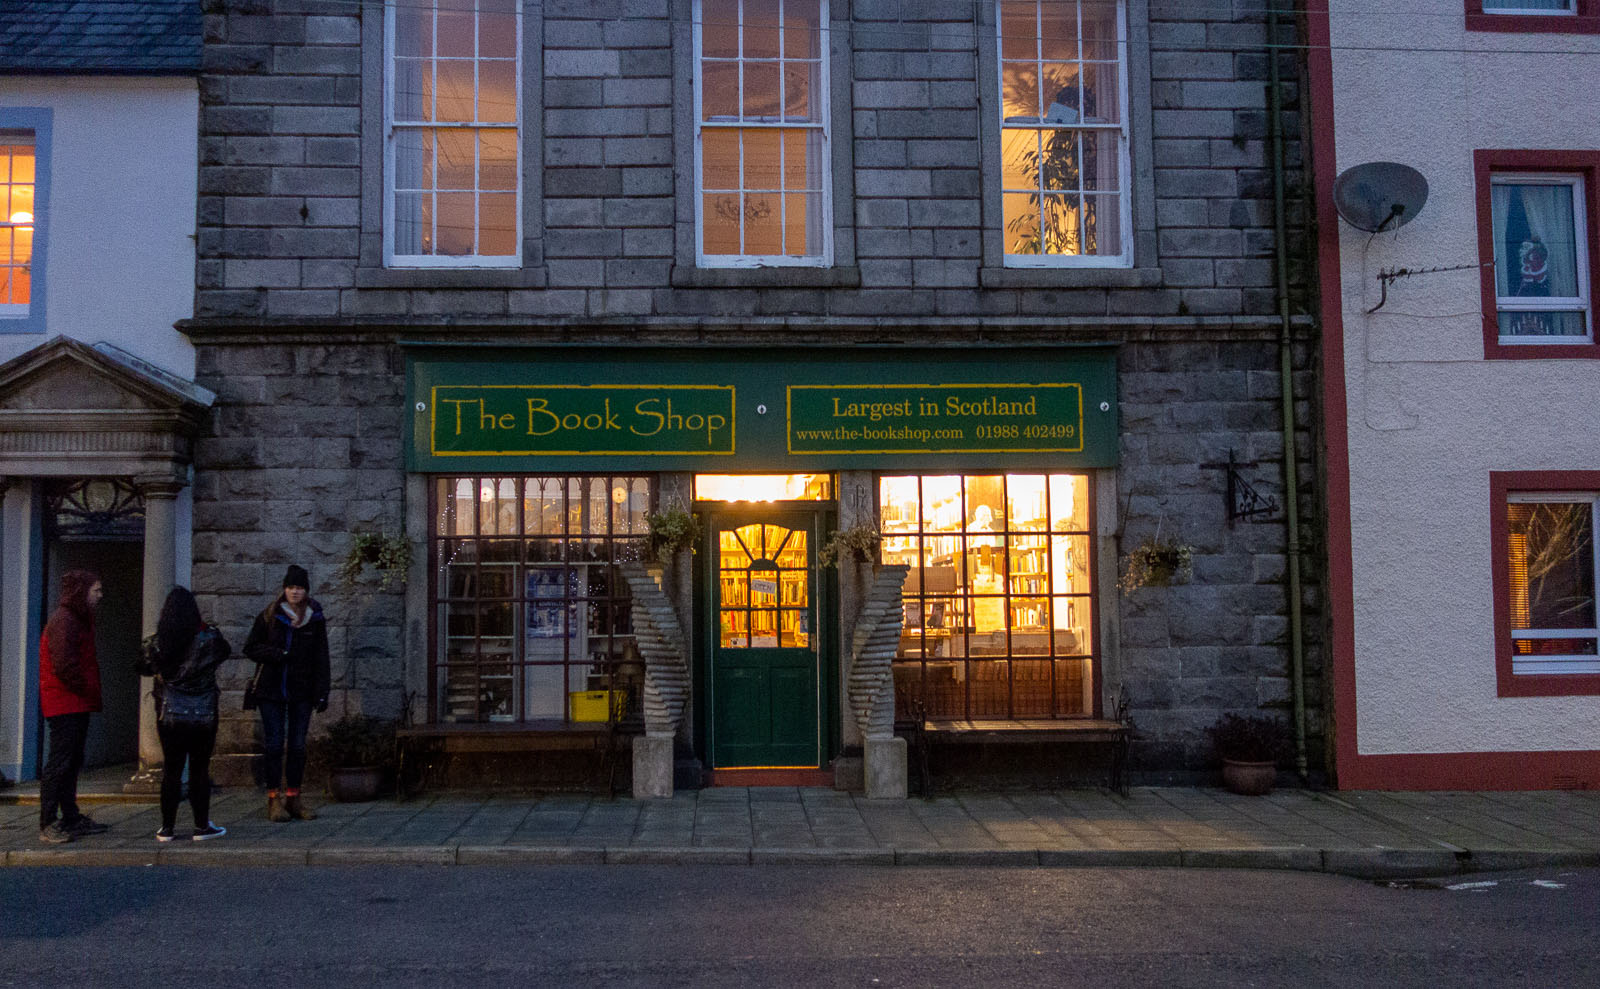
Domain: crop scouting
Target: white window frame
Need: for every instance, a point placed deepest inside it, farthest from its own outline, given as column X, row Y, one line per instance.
column 21, row 310
column 821, row 100
column 1513, row 11
column 1545, row 665
column 391, row 259
column 1581, row 233
column 1124, row 161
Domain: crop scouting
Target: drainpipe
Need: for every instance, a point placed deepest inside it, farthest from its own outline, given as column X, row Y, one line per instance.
column 1291, row 467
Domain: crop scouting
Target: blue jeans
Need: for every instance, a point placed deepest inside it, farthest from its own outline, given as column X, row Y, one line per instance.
column 275, row 716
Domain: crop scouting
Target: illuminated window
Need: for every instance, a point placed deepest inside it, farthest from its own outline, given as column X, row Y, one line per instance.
column 1063, row 133
column 1541, row 258
column 761, row 99
column 528, row 606
column 453, row 152
column 1550, row 577
column 999, row 603
column 763, row 487
column 18, row 204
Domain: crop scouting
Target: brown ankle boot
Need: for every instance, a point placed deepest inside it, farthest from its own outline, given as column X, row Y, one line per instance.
column 275, row 810
column 298, row 810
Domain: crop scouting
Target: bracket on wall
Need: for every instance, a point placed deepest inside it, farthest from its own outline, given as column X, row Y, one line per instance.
column 1242, row 500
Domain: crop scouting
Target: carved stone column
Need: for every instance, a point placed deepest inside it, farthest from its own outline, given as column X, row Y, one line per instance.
column 160, row 493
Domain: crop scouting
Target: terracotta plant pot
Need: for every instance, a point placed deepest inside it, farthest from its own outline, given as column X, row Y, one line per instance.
column 355, row 784
column 1250, row 779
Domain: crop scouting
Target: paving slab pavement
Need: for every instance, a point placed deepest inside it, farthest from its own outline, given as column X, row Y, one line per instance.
column 1367, row 834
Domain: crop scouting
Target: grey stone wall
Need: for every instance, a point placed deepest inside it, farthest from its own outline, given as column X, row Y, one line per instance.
column 288, row 149
column 296, row 326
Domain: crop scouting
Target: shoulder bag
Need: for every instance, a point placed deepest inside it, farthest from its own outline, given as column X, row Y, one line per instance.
column 188, row 709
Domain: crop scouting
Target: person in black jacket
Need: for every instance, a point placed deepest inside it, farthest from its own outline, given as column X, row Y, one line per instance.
column 183, row 656
column 289, row 642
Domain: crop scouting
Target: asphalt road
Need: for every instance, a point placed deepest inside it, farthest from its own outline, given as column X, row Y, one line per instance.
column 781, row 926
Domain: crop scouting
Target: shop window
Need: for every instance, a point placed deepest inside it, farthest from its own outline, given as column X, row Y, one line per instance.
column 999, row 603
column 1537, row 216
column 763, row 487
column 453, row 158
column 1558, row 16
column 762, row 148
column 1545, row 582
column 528, row 605
column 1063, row 133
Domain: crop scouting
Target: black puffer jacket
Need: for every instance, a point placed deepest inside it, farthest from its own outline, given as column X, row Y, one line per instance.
column 293, row 660
column 195, row 671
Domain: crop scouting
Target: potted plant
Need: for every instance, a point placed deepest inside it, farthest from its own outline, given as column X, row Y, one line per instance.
column 860, row 543
column 1249, row 748
column 358, row 751
column 389, row 555
column 671, row 530
column 1157, row 562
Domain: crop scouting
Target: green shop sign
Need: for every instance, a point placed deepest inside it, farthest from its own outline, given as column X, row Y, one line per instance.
column 721, row 410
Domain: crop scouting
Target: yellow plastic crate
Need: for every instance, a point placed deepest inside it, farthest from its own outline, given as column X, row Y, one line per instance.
column 592, row 705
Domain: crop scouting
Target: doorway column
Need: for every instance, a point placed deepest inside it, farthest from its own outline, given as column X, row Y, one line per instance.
column 160, row 494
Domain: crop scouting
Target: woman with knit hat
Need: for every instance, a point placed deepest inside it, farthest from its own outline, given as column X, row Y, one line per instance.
column 289, row 644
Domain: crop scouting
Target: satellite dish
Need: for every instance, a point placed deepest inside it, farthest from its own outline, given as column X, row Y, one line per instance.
column 1380, row 195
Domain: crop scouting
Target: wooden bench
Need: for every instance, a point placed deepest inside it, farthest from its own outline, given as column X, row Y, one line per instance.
column 419, row 748
column 1113, row 734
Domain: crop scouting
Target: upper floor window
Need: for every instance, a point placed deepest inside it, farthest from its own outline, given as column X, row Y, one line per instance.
column 1064, row 133
column 453, row 154
column 1537, row 214
column 1540, row 259
column 762, row 143
column 1559, row 16
column 18, row 204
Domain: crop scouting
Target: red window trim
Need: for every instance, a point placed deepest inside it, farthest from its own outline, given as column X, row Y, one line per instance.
column 1501, row 484
column 1585, row 21
column 1485, row 165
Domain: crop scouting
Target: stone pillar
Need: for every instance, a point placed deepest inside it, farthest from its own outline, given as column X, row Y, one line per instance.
column 160, row 493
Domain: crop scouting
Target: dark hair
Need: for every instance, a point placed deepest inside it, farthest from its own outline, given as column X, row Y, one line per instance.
column 179, row 621
column 75, row 586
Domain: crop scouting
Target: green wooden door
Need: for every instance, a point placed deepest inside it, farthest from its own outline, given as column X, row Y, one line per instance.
column 764, row 682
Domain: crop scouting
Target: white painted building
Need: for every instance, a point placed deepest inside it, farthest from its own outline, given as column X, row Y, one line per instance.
column 98, row 410
column 1462, row 405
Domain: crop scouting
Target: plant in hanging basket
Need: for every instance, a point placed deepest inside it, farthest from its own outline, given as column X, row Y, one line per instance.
column 672, row 530
column 1157, row 562
column 389, row 556
column 860, row 542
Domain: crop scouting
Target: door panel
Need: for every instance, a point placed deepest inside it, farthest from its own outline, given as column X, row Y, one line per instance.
column 764, row 669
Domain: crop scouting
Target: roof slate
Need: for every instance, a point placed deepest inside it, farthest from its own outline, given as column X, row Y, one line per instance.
column 100, row 37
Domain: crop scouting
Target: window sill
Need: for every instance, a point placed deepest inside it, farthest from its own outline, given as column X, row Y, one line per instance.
column 1069, row 277
column 1494, row 350
column 454, row 278
column 1533, row 24
column 786, row 277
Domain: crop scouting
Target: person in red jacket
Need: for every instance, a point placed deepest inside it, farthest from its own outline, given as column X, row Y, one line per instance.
column 69, row 691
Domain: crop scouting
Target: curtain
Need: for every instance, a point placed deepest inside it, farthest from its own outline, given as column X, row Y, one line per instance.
column 1543, row 213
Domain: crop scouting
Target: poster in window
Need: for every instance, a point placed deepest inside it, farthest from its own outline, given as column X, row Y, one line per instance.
column 547, row 598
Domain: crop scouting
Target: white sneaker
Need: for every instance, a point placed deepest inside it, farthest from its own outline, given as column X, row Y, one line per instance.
column 164, row 835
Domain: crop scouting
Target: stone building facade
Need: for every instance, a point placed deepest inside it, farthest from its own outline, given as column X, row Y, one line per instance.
column 316, row 326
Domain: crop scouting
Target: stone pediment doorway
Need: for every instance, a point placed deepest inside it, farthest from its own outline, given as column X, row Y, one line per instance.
column 77, row 421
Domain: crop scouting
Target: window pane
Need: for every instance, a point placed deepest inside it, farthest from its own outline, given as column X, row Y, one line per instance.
column 455, row 103
column 413, row 223
column 720, row 226
column 719, row 28
column 1102, row 224
column 1535, row 247
column 1019, row 158
column 1019, row 92
column 497, row 159
column 497, row 31
column 413, row 30
column 799, row 83
column 413, row 93
column 1059, row 163
column 1019, row 30
column 761, row 29
column 457, row 158
column 802, row 153
column 456, row 29
column 761, row 161
column 1058, row 88
column 1100, row 31
column 1536, row 323
column 719, row 91
column 1101, row 170
column 802, row 34
column 1059, row 216
column 802, row 224
column 1551, row 563
column 1102, row 102
column 761, row 90
column 497, row 223
column 497, row 92
column 413, row 158
column 1058, row 31
column 457, row 212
